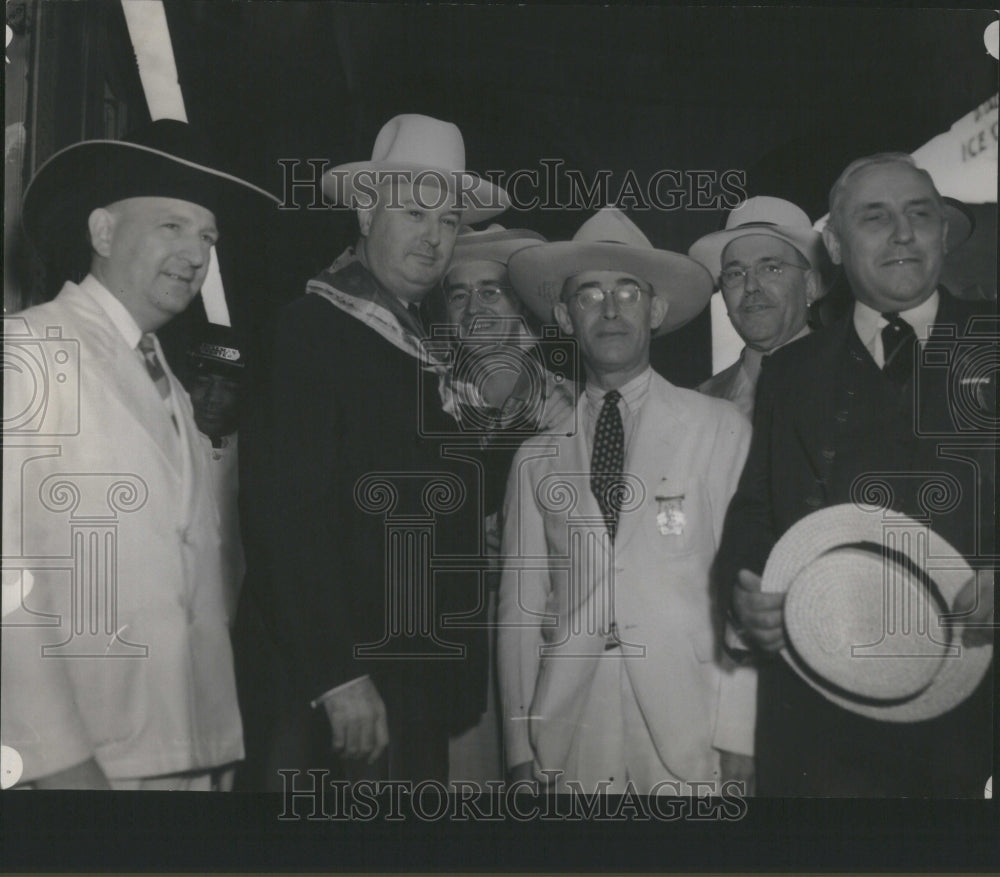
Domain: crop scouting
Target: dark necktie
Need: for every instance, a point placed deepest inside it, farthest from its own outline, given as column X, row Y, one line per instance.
column 608, row 460
column 899, row 345
column 414, row 312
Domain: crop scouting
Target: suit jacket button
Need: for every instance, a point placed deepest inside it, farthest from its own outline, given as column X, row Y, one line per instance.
column 841, row 415
column 829, row 453
column 814, row 502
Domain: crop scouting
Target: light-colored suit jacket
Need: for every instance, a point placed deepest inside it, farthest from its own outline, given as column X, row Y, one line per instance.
column 561, row 579
column 115, row 638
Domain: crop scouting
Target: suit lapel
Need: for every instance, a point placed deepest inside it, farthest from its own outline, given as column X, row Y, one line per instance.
column 651, row 456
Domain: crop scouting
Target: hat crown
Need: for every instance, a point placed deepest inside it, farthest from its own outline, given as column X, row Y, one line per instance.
column 413, row 139
column 610, row 226
column 766, row 210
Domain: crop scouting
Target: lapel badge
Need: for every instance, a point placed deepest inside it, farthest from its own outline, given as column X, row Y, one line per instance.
column 670, row 518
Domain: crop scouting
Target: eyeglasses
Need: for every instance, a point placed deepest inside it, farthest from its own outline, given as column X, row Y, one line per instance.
column 626, row 295
column 735, row 277
column 487, row 293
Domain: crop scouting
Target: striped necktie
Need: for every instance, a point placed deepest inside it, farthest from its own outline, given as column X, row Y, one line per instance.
column 147, row 347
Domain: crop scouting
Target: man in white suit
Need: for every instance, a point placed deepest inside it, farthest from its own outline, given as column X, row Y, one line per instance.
column 610, row 670
column 117, row 667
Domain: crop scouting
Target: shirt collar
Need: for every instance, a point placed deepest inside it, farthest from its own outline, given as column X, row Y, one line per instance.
column 868, row 322
column 116, row 311
column 753, row 359
column 633, row 393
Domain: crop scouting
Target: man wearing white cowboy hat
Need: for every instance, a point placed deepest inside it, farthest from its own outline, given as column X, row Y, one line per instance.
column 610, row 673
column 887, row 406
column 363, row 677
column 108, row 510
column 767, row 262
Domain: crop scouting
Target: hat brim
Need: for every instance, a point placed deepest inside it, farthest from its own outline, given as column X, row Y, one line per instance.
column 538, row 273
column 352, row 185
column 495, row 248
column 95, row 173
column 708, row 250
column 820, row 534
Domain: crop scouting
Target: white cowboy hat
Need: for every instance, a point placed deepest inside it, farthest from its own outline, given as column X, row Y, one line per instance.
column 429, row 152
column 609, row 240
column 763, row 215
column 867, row 598
column 493, row 244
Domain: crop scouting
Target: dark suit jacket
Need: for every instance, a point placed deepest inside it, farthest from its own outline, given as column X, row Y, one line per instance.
column 828, row 429
column 344, row 480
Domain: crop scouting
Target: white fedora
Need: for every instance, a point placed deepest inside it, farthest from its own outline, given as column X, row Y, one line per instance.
column 609, row 240
column 866, row 613
column 427, row 152
column 762, row 215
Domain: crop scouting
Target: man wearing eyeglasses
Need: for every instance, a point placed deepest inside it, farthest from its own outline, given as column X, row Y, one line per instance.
column 768, row 261
column 610, row 676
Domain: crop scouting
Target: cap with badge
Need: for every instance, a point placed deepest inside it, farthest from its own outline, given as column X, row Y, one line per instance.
column 217, row 350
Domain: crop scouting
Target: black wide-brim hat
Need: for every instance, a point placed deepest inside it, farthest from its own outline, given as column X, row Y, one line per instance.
column 165, row 159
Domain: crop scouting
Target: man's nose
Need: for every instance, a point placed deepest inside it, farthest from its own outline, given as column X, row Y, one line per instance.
column 432, row 232
column 751, row 283
column 902, row 229
column 196, row 250
column 610, row 306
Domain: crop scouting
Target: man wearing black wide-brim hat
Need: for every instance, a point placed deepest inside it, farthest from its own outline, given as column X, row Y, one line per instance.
column 117, row 666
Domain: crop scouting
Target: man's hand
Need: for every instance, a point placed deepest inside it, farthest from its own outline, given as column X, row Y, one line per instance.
column 734, row 766
column 758, row 615
column 357, row 718
column 524, row 773
column 974, row 603
column 85, row 775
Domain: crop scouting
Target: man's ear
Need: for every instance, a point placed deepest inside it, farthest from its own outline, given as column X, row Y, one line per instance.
column 832, row 243
column 101, row 224
column 366, row 216
column 658, row 308
column 562, row 317
column 814, row 286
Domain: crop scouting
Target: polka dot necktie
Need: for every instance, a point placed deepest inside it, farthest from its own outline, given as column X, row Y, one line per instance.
column 608, row 460
column 899, row 345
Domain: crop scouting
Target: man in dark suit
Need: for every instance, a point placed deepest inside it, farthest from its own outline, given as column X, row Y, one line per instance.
column 350, row 653
column 884, row 406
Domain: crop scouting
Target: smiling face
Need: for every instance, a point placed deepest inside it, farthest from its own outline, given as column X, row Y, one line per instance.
column 407, row 241
column 765, row 308
column 613, row 339
column 888, row 231
column 152, row 254
column 468, row 310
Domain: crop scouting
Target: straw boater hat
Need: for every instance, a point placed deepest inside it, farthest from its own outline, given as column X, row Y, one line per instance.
column 492, row 244
column 763, row 215
column 166, row 159
column 428, row 151
column 863, row 613
column 609, row 240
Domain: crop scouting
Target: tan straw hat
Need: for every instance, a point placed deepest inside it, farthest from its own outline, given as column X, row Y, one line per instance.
column 866, row 613
column 609, row 240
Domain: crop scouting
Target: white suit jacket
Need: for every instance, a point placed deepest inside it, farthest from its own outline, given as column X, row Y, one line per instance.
column 560, row 580
column 115, row 638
